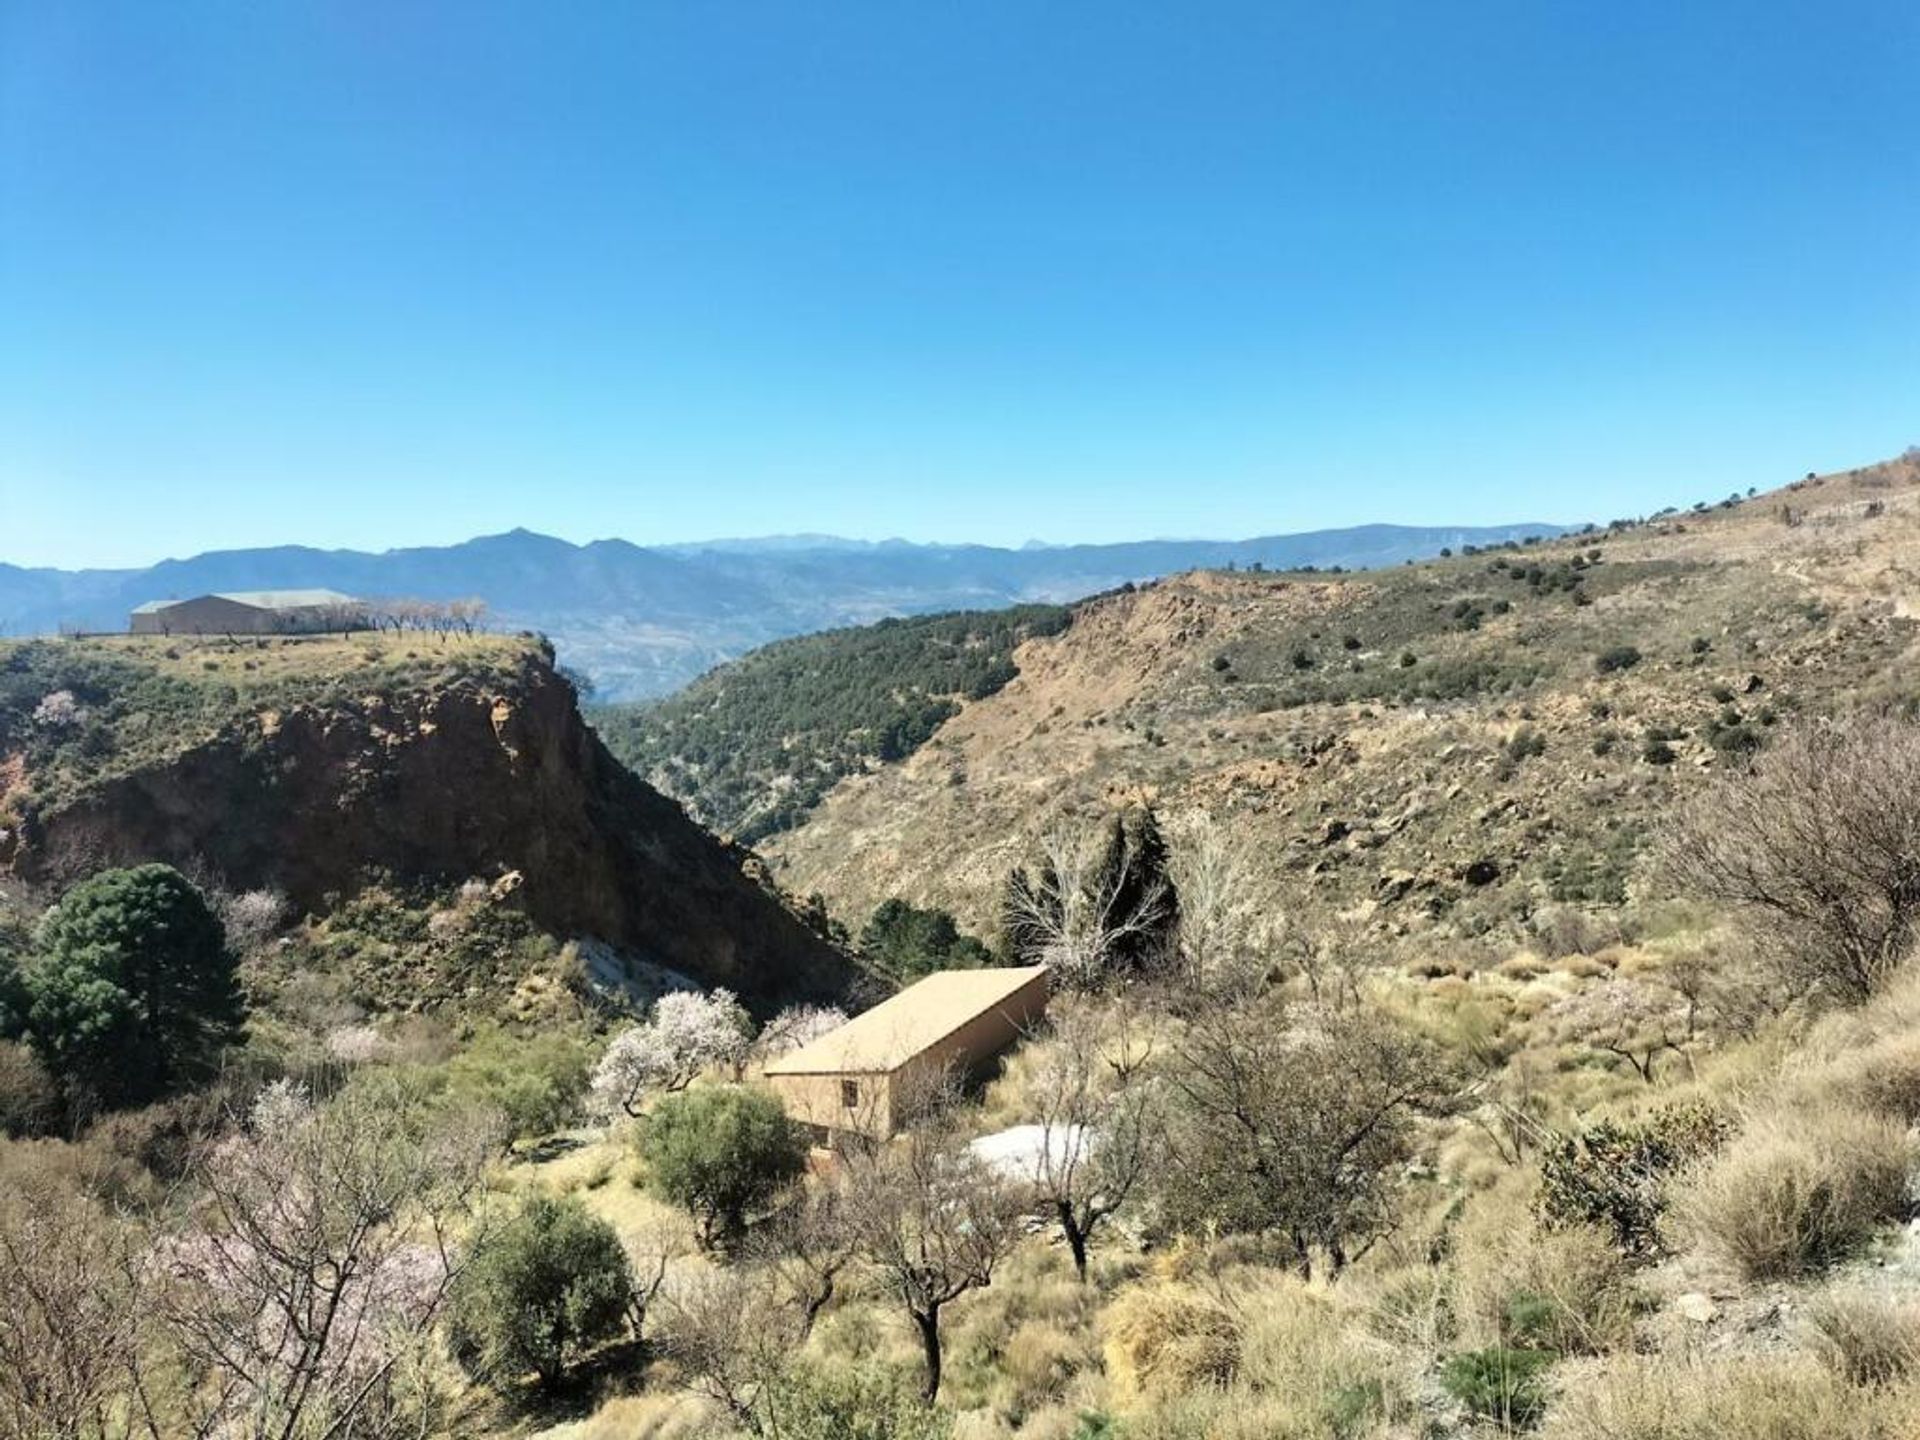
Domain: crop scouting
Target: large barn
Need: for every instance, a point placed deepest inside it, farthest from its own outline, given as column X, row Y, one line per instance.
column 250, row 612
column 864, row 1078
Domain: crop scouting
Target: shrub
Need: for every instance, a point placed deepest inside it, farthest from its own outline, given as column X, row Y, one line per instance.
column 1819, row 848
column 29, row 1100
column 134, row 991
column 1798, row 1190
column 722, row 1152
column 1165, row 1339
column 1498, row 1384
column 550, row 1283
column 1567, row 1291
column 1615, row 1176
column 536, row 1082
column 1867, row 1339
column 1616, row 657
column 810, row 1402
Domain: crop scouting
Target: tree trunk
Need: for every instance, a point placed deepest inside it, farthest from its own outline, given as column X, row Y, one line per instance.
column 1076, row 1239
column 928, row 1323
column 816, row 1300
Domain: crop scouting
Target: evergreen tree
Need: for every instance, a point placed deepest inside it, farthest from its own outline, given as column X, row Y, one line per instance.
column 1144, row 886
column 134, row 991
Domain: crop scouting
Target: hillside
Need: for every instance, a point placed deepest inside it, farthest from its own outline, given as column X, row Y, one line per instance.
column 641, row 621
column 1456, row 745
column 314, row 767
column 753, row 746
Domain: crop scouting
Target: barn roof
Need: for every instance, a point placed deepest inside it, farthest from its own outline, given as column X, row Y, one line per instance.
column 258, row 599
column 884, row 1038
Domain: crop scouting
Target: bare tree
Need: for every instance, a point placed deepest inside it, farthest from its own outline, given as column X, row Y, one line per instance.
column 70, row 1313
column 934, row 1221
column 1084, row 911
column 1101, row 1125
column 1637, row 1021
column 1297, row 1122
column 320, row 1250
column 1227, row 929
column 808, row 1246
column 651, row 1251
column 731, row 1337
column 1819, row 847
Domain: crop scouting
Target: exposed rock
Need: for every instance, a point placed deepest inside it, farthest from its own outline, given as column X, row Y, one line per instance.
column 1696, row 1307
column 495, row 776
column 1395, row 884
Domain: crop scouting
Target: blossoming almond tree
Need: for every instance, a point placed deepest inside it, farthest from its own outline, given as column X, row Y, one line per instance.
column 686, row 1033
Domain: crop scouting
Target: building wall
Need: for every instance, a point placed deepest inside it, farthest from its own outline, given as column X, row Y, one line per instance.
column 210, row 615
column 968, row 1050
column 818, row 1100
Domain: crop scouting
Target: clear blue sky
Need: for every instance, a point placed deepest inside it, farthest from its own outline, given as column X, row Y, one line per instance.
column 386, row 272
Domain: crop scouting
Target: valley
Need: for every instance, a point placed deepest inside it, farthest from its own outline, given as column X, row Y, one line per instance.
column 1473, row 973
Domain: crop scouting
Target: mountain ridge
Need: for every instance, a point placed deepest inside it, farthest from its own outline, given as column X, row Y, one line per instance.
column 640, row 621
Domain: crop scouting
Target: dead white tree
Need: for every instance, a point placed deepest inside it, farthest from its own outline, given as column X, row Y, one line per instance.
column 1084, row 911
column 1228, row 923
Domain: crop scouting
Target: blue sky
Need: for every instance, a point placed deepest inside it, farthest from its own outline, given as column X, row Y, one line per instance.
column 389, row 273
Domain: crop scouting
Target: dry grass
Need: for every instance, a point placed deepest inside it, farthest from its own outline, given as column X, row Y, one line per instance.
column 1514, row 1283
column 1867, row 1339
column 1772, row 1397
column 1796, row 1190
column 1164, row 1339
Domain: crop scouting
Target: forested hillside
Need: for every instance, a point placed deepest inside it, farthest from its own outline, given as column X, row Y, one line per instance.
column 753, row 746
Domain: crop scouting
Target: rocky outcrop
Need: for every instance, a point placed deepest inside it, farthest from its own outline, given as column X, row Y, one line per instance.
column 489, row 776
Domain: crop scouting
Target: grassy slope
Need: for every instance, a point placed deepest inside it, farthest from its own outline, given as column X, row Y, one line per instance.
column 1282, row 707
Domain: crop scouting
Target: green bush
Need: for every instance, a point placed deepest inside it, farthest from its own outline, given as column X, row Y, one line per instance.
column 1616, row 657
column 134, row 991
column 535, row 1081
column 722, row 1151
column 850, row 1403
column 549, row 1284
column 1499, row 1385
column 908, row 942
column 1616, row 1176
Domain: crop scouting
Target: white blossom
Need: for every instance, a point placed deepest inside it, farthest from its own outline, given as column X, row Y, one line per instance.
column 58, row 710
column 795, row 1026
column 686, row 1033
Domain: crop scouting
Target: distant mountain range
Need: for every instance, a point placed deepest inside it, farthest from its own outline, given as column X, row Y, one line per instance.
column 642, row 621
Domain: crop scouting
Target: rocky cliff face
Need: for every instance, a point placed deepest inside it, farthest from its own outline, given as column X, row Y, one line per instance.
column 494, row 776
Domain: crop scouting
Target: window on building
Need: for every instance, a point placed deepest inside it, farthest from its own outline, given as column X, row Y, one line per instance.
column 849, row 1094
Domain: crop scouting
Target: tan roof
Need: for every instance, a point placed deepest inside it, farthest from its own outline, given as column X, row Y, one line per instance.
column 894, row 1031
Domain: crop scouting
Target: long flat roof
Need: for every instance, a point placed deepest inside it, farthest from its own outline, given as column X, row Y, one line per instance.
column 897, row 1029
